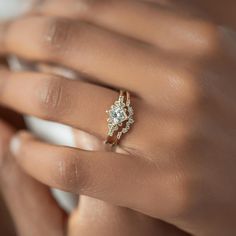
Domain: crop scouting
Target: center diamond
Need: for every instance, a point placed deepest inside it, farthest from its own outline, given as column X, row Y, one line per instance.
column 117, row 115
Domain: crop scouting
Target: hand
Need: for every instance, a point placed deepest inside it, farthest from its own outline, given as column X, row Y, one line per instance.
column 126, row 222
column 180, row 65
column 32, row 218
column 35, row 211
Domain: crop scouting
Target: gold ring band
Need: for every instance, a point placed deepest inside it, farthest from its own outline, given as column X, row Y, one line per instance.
column 120, row 118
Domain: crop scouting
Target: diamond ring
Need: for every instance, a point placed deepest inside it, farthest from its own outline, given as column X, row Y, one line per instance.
column 120, row 118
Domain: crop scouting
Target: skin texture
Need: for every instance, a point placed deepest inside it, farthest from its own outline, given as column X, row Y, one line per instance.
column 180, row 166
column 31, row 218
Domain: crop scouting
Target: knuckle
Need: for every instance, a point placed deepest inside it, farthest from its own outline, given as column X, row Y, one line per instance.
column 207, row 36
column 58, row 35
column 188, row 89
column 69, row 174
column 180, row 195
column 176, row 190
column 50, row 100
column 183, row 89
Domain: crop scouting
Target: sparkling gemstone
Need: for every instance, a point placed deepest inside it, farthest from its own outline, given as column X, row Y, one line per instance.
column 118, row 115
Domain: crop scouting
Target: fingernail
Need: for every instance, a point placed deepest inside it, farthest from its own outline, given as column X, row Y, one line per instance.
column 15, row 144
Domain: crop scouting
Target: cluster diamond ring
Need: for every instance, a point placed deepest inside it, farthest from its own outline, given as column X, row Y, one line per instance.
column 120, row 118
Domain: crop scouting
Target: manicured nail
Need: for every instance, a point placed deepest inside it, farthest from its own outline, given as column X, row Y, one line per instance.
column 15, row 145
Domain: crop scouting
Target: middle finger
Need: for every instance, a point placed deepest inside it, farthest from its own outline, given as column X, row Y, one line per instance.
column 162, row 23
column 109, row 57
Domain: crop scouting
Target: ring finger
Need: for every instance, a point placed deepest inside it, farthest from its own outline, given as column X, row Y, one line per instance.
column 53, row 98
column 76, row 103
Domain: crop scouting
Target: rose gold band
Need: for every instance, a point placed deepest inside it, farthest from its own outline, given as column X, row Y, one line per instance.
column 122, row 109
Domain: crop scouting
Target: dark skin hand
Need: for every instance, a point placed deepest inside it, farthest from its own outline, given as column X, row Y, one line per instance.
column 113, row 220
column 36, row 213
column 31, row 218
column 180, row 166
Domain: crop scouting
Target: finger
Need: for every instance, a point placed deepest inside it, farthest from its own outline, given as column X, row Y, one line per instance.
column 108, row 176
column 116, row 221
column 57, row 99
column 2, row 33
column 86, row 141
column 86, row 48
column 162, row 23
column 85, row 214
column 30, row 203
column 76, row 103
column 83, row 105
